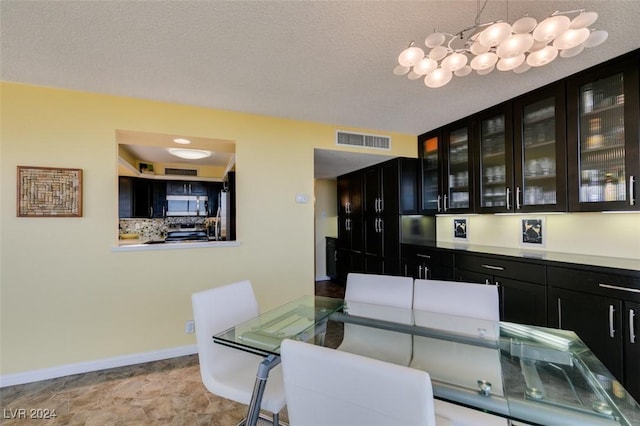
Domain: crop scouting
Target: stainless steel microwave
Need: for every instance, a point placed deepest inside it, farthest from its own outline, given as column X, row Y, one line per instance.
column 187, row 205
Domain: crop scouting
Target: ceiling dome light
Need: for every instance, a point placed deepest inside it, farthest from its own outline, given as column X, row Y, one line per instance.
column 596, row 38
column 571, row 38
column 515, row 45
column 507, row 64
column 524, row 25
column 583, row 20
column 484, row 61
column 189, row 154
column 551, row 28
column 438, row 78
column 495, row 34
column 182, row 141
column 542, row 57
column 454, row 62
column 410, row 56
column 425, row 66
column 434, row 39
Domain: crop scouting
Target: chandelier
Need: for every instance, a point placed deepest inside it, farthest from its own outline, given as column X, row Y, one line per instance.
column 484, row 47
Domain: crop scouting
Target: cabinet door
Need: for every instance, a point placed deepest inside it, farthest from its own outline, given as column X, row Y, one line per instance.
column 177, row 187
column 457, row 169
column 373, row 235
column 495, row 168
column 604, row 154
column 522, row 302
column 408, row 186
column 539, row 142
column 429, row 154
column 159, row 199
column 595, row 319
column 142, row 204
column 631, row 318
column 125, row 197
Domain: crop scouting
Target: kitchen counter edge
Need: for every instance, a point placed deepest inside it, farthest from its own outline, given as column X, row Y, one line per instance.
column 174, row 246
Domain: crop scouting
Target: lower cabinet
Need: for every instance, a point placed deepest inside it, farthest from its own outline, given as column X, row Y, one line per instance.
column 332, row 257
column 602, row 309
column 420, row 262
column 521, row 285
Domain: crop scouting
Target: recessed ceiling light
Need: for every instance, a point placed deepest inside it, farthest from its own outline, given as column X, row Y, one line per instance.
column 182, row 141
column 189, row 154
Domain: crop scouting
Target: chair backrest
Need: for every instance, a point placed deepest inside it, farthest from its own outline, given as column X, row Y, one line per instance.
column 328, row 387
column 457, row 298
column 385, row 290
column 216, row 310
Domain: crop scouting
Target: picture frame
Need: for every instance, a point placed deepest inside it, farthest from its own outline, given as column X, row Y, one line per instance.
column 460, row 229
column 532, row 232
column 49, row 192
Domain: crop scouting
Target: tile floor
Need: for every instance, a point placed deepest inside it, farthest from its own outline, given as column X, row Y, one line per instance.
column 168, row 392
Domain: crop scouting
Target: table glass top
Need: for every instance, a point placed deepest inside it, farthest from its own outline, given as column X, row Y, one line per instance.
column 533, row 374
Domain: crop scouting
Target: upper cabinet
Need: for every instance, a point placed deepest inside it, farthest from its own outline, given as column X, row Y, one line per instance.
column 570, row 146
column 603, row 136
column 539, row 141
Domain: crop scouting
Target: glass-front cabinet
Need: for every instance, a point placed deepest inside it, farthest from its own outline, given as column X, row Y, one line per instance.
column 495, row 168
column 539, row 151
column 457, row 168
column 604, row 154
column 429, row 152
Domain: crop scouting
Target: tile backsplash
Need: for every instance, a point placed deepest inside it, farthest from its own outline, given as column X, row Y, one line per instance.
column 156, row 229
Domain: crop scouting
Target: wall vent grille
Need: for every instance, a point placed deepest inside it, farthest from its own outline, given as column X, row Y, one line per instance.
column 363, row 140
column 180, row 172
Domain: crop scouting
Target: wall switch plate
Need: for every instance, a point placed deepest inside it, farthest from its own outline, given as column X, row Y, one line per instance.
column 302, row 198
column 189, row 327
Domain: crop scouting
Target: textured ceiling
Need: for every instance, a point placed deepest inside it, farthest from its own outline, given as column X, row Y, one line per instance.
column 320, row 61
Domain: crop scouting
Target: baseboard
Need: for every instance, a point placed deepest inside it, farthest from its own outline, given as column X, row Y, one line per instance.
column 323, row 277
column 100, row 364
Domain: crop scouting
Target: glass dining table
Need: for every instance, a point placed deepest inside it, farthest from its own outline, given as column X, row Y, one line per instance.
column 535, row 375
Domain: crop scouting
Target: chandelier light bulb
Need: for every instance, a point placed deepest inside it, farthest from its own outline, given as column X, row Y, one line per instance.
column 410, row 56
column 454, row 62
column 524, row 25
column 438, row 78
column 515, row 45
column 438, row 53
column 571, row 38
column 484, row 61
column 483, row 47
column 434, row 39
column 551, row 28
column 574, row 51
column 583, row 20
column 425, row 66
column 495, row 34
column 596, row 38
column 464, row 71
column 507, row 64
column 542, row 57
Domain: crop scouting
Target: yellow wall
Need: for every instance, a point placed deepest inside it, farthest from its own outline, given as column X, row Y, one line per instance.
column 68, row 298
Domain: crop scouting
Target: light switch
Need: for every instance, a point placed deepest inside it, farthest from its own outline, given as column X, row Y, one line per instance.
column 302, row 198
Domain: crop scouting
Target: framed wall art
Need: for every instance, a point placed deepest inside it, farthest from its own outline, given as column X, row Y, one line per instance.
column 460, row 229
column 49, row 192
column 532, row 232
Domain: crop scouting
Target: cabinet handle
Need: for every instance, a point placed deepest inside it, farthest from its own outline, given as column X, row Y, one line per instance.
column 497, row 284
column 347, row 207
column 381, row 224
column 559, row 313
column 612, row 331
column 426, row 256
column 518, row 191
column 381, row 204
column 150, row 211
column 444, row 204
column 487, row 281
column 615, row 287
column 164, row 212
column 377, row 225
column 632, row 330
column 508, row 197
column 420, row 271
column 439, row 203
column 632, row 199
column 495, row 268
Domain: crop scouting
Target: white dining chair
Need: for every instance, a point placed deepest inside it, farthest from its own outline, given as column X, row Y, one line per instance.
column 227, row 372
column 329, row 387
column 457, row 298
column 368, row 295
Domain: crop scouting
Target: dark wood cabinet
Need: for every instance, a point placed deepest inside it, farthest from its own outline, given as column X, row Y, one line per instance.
column 600, row 305
column 420, row 262
column 457, row 168
column 331, row 253
column 141, row 198
column 186, row 188
column 603, row 133
column 521, row 285
column 430, row 198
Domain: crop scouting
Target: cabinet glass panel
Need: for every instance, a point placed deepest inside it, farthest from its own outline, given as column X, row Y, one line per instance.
column 539, row 153
column 602, row 150
column 493, row 162
column 458, row 169
column 430, row 174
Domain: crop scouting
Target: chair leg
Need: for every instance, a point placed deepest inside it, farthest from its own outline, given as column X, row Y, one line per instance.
column 276, row 419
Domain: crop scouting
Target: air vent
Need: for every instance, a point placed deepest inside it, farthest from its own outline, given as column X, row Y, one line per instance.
column 181, row 172
column 363, row 140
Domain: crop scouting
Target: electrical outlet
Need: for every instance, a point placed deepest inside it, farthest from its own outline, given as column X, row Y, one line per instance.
column 189, row 327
